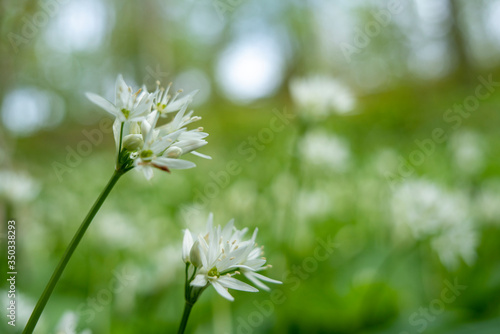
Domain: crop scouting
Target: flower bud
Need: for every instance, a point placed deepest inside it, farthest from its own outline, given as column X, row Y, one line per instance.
column 173, row 152
column 195, row 255
column 133, row 142
column 135, row 128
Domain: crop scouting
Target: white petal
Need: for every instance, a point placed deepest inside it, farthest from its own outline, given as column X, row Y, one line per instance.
column 174, row 163
column 178, row 104
column 266, row 279
column 222, row 291
column 116, row 132
column 148, row 172
column 255, row 281
column 204, row 156
column 187, row 244
column 233, row 283
column 123, row 92
column 199, row 280
column 103, row 103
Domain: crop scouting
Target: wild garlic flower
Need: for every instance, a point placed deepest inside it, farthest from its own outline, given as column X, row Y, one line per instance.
column 140, row 142
column 325, row 150
column 319, row 96
column 128, row 106
column 220, row 254
column 429, row 213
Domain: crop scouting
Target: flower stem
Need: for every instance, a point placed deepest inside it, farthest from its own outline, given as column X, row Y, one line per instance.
column 185, row 317
column 30, row 326
column 119, row 146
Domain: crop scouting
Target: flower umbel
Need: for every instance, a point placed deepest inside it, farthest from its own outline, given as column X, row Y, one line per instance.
column 217, row 256
column 139, row 141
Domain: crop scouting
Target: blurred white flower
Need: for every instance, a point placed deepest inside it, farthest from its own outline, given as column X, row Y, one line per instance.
column 486, row 203
column 68, row 324
column 430, row 212
column 314, row 203
column 319, row 96
column 455, row 242
column 18, row 186
column 384, row 161
column 467, row 148
column 117, row 230
column 325, row 150
column 218, row 254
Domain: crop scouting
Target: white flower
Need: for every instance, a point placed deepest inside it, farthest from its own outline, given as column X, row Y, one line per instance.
column 467, row 148
column 440, row 216
column 219, row 254
column 326, row 150
column 128, row 106
column 139, row 141
column 424, row 208
column 253, row 264
column 157, row 150
column 165, row 104
column 68, row 324
column 459, row 241
column 318, row 96
column 486, row 202
column 18, row 186
column 187, row 245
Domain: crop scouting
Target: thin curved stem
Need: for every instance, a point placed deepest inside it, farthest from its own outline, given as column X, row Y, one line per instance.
column 185, row 317
column 30, row 326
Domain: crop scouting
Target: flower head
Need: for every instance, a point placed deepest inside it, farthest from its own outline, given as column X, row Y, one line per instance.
column 428, row 212
column 218, row 255
column 319, row 96
column 139, row 141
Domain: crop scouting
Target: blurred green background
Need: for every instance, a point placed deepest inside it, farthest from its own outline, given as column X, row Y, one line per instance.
column 386, row 148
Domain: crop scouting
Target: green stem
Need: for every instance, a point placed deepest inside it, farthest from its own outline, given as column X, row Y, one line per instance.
column 30, row 326
column 185, row 317
column 119, row 146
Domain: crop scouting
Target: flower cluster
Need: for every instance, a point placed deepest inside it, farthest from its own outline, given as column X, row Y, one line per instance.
column 142, row 143
column 219, row 254
column 442, row 217
column 320, row 96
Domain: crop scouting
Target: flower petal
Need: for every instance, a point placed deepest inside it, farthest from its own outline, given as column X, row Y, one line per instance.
column 233, row 283
column 187, row 244
column 123, row 92
column 222, row 291
column 174, row 163
column 103, row 103
column 199, row 280
column 204, row 156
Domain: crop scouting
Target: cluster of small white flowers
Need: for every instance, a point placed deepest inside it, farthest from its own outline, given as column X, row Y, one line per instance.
column 433, row 213
column 219, row 254
column 486, row 202
column 68, row 324
column 325, row 150
column 319, row 96
column 468, row 152
column 136, row 132
column 18, row 186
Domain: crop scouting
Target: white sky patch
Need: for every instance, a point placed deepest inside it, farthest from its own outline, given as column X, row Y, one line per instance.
column 27, row 110
column 493, row 20
column 78, row 26
column 251, row 68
